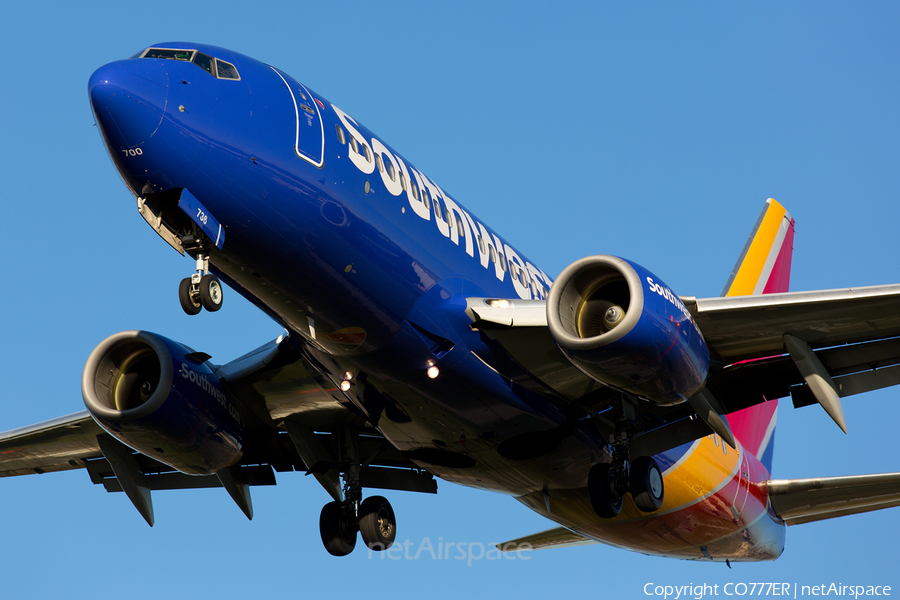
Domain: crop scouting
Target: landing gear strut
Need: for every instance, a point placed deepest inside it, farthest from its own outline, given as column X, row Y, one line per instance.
column 609, row 482
column 373, row 517
column 200, row 290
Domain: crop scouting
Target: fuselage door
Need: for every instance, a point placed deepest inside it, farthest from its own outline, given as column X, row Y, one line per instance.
column 309, row 135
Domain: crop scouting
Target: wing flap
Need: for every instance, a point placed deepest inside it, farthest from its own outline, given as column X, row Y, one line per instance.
column 854, row 368
column 799, row 501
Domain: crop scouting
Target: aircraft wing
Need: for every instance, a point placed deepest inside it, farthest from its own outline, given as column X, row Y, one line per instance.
column 558, row 537
column 56, row 445
column 800, row 501
column 292, row 410
column 762, row 347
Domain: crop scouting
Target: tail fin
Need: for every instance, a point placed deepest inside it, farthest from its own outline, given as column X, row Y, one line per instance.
column 764, row 267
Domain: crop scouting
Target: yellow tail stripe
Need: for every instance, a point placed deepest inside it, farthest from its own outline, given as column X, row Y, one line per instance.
column 751, row 268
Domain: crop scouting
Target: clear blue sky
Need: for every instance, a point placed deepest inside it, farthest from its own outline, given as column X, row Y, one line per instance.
column 654, row 131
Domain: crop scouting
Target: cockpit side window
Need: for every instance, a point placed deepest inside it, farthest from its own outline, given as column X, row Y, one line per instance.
column 214, row 66
column 204, row 62
column 226, row 70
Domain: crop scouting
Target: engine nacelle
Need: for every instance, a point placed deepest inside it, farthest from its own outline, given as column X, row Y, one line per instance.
column 146, row 391
column 622, row 326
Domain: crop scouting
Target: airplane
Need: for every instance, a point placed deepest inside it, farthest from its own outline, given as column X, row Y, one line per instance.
column 421, row 344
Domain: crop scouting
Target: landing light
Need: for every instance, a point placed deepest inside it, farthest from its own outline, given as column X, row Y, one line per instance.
column 433, row 372
column 345, row 386
column 498, row 303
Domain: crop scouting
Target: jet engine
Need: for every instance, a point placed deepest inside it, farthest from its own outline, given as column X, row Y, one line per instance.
column 161, row 398
column 622, row 326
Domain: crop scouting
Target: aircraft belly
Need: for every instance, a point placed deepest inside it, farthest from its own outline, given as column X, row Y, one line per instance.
column 454, row 424
column 711, row 505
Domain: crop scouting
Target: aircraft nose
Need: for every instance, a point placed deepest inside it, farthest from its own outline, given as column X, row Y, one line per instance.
column 129, row 100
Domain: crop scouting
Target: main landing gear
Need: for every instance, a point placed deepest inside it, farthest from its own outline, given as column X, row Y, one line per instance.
column 608, row 482
column 373, row 517
column 200, row 290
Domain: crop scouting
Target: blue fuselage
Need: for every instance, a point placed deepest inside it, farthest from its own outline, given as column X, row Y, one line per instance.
column 364, row 259
column 340, row 239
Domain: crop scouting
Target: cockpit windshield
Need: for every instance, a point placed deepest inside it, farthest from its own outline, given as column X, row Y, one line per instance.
column 170, row 54
column 214, row 66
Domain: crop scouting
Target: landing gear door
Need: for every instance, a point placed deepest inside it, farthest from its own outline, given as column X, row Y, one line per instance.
column 202, row 217
column 309, row 139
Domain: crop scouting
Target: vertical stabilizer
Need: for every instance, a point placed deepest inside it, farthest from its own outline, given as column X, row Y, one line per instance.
column 764, row 267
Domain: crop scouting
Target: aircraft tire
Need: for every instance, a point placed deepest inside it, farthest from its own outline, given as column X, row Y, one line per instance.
column 338, row 536
column 646, row 484
column 605, row 499
column 188, row 304
column 211, row 293
column 377, row 523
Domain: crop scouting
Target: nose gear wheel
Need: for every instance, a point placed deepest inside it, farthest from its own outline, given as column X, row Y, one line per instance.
column 200, row 290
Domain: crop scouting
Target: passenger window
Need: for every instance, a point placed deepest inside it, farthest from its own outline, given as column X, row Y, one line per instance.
column 380, row 163
column 415, row 189
column 459, row 225
column 340, row 134
column 354, row 144
column 493, row 255
column 226, row 70
column 390, row 170
column 403, row 181
column 480, row 243
column 368, row 156
column 437, row 209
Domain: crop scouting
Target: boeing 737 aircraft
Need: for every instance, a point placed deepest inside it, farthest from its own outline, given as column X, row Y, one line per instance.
column 420, row 343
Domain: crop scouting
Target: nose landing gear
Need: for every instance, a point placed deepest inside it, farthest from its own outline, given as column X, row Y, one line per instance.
column 200, row 290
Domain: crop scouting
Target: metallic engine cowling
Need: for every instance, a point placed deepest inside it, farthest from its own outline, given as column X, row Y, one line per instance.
column 651, row 348
column 144, row 391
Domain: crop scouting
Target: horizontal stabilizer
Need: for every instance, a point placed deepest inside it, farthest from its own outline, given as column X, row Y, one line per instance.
column 559, row 537
column 800, row 501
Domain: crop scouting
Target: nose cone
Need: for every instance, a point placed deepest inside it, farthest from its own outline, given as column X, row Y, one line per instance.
column 129, row 100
